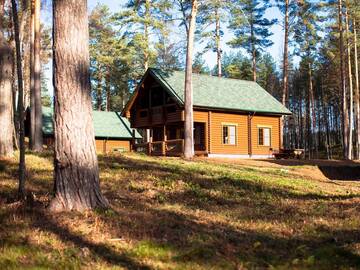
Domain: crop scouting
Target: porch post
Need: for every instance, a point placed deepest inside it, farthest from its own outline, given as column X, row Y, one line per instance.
column 164, row 141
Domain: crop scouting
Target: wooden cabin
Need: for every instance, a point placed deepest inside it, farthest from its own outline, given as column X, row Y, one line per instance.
column 232, row 118
column 112, row 131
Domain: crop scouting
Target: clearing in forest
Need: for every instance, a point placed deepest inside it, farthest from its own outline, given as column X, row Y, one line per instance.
column 173, row 214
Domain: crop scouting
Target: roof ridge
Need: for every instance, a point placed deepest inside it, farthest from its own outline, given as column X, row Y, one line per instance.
column 207, row 75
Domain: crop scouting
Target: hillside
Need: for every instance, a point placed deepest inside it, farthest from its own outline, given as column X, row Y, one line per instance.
column 172, row 214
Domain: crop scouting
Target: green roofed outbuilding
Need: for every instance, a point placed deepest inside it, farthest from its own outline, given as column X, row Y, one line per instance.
column 112, row 131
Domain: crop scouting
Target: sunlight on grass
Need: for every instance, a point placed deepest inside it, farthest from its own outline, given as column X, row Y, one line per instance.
column 168, row 213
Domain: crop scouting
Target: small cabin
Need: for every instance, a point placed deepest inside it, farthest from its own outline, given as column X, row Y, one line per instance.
column 112, row 131
column 232, row 118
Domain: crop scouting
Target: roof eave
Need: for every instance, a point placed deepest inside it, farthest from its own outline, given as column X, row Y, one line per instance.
column 239, row 110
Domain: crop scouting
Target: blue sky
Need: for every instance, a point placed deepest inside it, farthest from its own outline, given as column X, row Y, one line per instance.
column 210, row 57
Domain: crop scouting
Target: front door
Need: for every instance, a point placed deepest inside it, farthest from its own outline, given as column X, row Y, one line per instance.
column 199, row 136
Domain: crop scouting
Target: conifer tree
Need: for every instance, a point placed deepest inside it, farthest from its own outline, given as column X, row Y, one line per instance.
column 212, row 14
column 251, row 28
column 144, row 19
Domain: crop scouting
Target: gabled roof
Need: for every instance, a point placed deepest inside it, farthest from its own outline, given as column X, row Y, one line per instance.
column 106, row 125
column 220, row 93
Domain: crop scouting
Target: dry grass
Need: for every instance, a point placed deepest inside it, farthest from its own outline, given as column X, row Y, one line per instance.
column 171, row 214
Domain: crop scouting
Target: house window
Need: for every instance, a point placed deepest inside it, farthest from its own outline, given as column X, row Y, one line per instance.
column 229, row 134
column 264, row 136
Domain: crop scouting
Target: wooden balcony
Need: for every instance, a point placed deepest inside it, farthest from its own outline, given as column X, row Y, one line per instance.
column 159, row 115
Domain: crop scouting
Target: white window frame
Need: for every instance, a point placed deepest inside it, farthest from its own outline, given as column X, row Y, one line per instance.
column 263, row 138
column 228, row 138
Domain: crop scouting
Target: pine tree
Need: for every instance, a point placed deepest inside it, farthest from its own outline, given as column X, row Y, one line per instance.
column 113, row 61
column 6, row 64
column 306, row 34
column 144, row 19
column 251, row 28
column 19, row 70
column 76, row 184
column 188, row 89
column 210, row 18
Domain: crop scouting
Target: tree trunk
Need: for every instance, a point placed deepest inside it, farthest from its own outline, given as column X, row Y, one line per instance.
column 343, row 85
column 218, row 42
column 253, row 50
column 146, row 34
column 351, row 105
column 32, row 90
column 312, row 108
column 21, row 191
column 285, row 68
column 108, row 92
column 99, row 99
column 38, row 136
column 76, row 184
column 189, row 119
column 6, row 124
column 357, row 96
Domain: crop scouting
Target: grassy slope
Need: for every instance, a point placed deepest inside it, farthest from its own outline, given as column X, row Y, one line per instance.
column 172, row 214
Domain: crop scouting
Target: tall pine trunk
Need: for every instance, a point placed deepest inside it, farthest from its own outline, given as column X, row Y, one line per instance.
column 108, row 91
column 21, row 190
column 357, row 96
column 32, row 75
column 99, row 99
column 253, row 51
column 38, row 136
column 6, row 110
column 313, row 114
column 218, row 42
column 345, row 115
column 146, row 34
column 351, row 105
column 285, row 68
column 77, row 184
column 189, row 119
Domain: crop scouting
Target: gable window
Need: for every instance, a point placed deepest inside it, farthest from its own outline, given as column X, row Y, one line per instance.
column 229, row 134
column 264, row 136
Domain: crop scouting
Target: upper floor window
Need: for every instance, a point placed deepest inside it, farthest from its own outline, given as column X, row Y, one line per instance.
column 229, row 134
column 264, row 136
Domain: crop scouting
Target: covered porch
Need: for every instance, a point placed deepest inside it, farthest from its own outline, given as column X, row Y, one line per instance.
column 168, row 140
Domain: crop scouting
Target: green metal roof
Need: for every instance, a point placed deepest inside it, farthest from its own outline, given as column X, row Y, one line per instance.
column 221, row 93
column 106, row 125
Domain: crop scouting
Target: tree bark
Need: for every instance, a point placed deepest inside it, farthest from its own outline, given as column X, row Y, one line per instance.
column 32, row 90
column 6, row 124
column 218, row 42
column 38, row 136
column 21, row 190
column 357, row 96
column 189, row 119
column 351, row 105
column 313, row 114
column 253, row 50
column 76, row 184
column 343, row 84
column 146, row 34
column 99, row 98
column 285, row 68
column 108, row 92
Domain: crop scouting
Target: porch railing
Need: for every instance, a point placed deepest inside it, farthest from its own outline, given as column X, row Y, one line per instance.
column 161, row 148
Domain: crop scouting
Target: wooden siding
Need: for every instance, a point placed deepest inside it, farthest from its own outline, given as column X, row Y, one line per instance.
column 101, row 144
column 244, row 127
column 216, row 140
column 265, row 121
column 112, row 145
